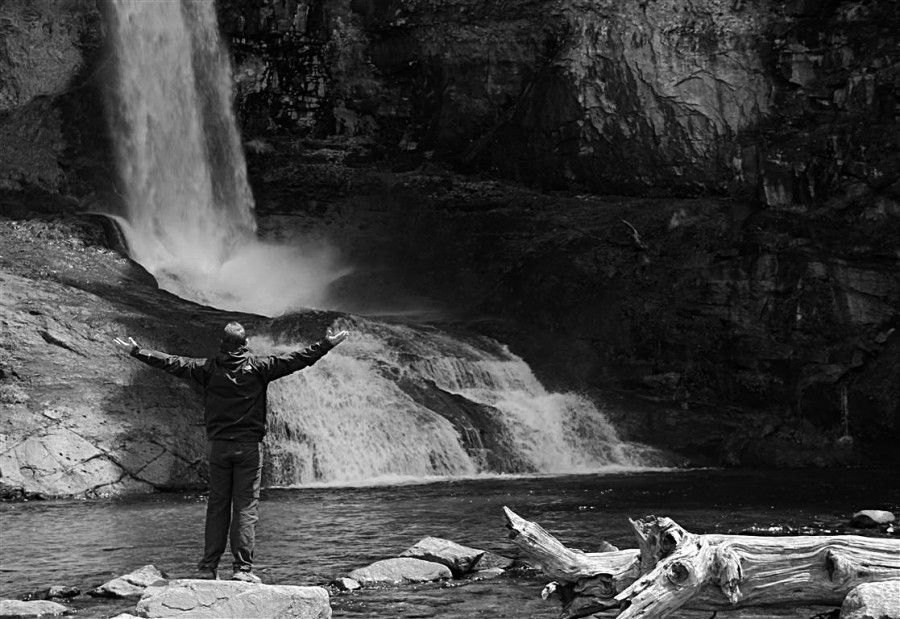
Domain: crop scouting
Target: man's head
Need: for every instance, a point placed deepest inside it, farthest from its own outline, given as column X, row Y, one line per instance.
column 234, row 337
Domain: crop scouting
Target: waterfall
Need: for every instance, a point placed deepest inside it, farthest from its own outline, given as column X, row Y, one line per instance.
column 189, row 216
column 393, row 401
column 349, row 419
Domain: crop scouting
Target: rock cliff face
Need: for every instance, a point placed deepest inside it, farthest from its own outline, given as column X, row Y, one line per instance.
column 787, row 103
column 73, row 423
column 50, row 72
column 754, row 265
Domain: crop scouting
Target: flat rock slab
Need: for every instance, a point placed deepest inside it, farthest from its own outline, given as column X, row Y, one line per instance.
column 400, row 570
column 224, row 599
column 873, row 600
column 41, row 608
column 130, row 585
column 460, row 559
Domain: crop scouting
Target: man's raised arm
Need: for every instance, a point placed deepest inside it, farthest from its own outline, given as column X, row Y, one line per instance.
column 277, row 366
column 183, row 367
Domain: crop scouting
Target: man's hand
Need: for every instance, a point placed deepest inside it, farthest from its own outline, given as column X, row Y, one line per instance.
column 335, row 338
column 126, row 346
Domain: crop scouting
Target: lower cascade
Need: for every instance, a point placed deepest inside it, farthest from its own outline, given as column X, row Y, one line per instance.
column 397, row 402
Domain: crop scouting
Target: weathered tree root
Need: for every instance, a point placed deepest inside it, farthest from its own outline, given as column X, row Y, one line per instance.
column 674, row 569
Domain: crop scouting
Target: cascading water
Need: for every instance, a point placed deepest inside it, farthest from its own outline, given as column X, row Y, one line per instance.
column 392, row 401
column 190, row 214
column 360, row 415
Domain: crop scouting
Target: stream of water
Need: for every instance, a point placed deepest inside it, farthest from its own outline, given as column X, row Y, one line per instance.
column 310, row 535
column 189, row 212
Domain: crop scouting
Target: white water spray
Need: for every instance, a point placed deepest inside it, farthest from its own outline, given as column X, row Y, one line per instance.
column 190, row 213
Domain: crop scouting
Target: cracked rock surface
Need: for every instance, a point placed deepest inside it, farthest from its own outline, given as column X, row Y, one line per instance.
column 221, row 598
column 79, row 418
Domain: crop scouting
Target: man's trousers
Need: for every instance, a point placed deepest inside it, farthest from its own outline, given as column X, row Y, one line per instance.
column 235, row 472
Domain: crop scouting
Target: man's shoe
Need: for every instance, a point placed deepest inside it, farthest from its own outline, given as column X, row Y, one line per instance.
column 246, row 576
column 208, row 573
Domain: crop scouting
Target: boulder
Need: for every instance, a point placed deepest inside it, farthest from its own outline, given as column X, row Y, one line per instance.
column 400, row 570
column 874, row 600
column 870, row 518
column 460, row 559
column 221, row 599
column 130, row 585
column 39, row 608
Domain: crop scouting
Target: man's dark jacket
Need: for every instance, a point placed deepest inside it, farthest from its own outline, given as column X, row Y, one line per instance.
column 234, row 385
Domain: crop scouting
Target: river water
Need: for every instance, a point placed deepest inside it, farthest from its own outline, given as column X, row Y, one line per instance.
column 310, row 535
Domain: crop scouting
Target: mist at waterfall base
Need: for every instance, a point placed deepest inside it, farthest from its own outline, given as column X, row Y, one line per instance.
column 190, row 213
column 254, row 276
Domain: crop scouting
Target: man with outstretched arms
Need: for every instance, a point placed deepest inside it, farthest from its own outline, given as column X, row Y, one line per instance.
column 234, row 384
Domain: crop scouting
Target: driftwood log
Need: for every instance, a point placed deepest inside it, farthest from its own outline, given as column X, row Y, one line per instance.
column 672, row 569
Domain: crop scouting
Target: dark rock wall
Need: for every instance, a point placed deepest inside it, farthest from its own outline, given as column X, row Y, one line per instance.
column 790, row 103
column 52, row 130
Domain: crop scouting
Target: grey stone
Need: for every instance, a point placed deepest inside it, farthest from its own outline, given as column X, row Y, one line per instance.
column 130, row 585
column 868, row 518
column 40, row 608
column 874, row 600
column 223, row 599
column 460, row 559
column 400, row 570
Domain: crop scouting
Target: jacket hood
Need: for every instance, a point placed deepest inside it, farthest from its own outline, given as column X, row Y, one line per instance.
column 233, row 358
